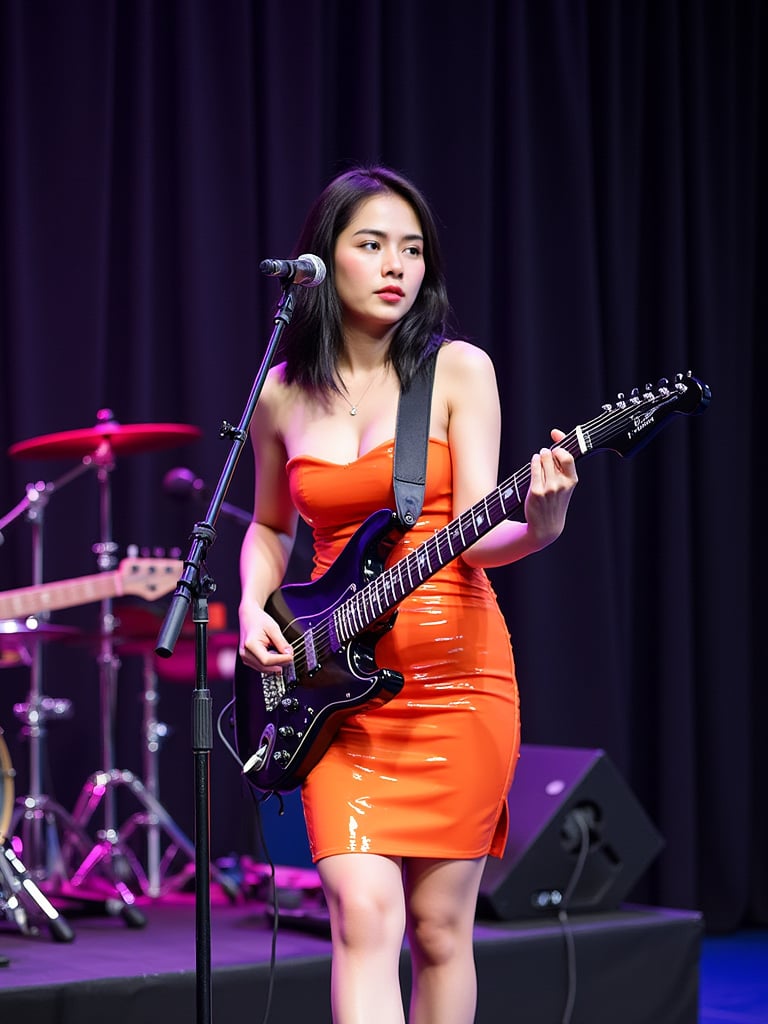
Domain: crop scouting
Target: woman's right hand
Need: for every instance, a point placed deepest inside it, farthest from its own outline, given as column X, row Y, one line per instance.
column 262, row 644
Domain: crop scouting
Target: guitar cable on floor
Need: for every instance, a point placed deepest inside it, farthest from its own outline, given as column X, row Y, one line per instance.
column 579, row 818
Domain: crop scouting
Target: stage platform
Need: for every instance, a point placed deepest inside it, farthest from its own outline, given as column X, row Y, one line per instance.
column 635, row 965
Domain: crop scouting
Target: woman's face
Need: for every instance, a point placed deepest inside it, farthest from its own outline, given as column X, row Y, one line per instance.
column 379, row 263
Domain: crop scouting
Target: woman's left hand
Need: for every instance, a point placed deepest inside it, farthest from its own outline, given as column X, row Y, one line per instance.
column 553, row 478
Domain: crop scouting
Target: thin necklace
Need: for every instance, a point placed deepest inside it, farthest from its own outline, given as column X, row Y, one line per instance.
column 353, row 407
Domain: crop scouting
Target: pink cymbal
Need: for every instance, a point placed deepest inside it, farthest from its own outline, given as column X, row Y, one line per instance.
column 18, row 638
column 122, row 439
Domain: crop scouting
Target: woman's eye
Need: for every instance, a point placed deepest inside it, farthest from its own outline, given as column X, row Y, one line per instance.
column 372, row 245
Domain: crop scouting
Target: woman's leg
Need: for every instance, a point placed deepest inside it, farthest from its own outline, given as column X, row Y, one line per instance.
column 441, row 898
column 364, row 893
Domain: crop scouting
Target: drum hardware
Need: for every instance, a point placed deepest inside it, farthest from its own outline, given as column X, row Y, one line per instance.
column 19, row 893
column 26, row 640
column 155, row 881
column 39, row 822
column 105, row 863
column 136, row 629
column 40, row 817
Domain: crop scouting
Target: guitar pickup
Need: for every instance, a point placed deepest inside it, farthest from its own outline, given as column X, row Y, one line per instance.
column 309, row 652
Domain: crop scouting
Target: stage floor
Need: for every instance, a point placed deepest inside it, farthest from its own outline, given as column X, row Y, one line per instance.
column 635, row 965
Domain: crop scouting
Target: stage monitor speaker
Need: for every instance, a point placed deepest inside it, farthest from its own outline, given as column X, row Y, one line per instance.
column 560, row 797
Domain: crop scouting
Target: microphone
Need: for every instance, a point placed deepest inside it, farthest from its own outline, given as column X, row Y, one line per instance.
column 182, row 483
column 307, row 270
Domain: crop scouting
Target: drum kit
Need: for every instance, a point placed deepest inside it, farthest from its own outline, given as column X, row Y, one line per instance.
column 65, row 861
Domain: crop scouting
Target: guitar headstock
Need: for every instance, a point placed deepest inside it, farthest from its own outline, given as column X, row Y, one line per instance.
column 149, row 578
column 628, row 424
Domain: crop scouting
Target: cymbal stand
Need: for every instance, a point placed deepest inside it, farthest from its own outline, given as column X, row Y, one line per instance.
column 105, row 857
column 37, row 817
column 157, row 881
column 36, row 814
column 100, row 788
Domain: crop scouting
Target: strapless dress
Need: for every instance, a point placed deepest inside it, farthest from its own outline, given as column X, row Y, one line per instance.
column 426, row 774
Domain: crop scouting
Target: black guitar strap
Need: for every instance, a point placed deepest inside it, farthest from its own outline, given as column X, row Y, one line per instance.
column 411, row 444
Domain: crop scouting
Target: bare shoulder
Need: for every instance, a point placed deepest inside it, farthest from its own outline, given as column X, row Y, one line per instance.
column 276, row 389
column 463, row 364
column 275, row 384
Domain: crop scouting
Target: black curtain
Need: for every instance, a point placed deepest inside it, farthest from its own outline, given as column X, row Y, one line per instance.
column 596, row 170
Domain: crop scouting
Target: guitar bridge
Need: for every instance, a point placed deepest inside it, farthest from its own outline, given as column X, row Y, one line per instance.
column 273, row 688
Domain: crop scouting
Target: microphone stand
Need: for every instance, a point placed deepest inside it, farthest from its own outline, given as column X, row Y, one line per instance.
column 193, row 588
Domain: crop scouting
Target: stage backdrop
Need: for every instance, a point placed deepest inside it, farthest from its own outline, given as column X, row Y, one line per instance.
column 598, row 171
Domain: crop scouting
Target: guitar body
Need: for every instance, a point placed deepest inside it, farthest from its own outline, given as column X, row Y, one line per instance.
column 283, row 726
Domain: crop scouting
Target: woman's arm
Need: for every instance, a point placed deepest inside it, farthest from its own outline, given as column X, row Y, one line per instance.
column 474, row 431
column 269, row 539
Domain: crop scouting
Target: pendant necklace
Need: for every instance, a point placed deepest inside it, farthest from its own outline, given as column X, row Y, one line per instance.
column 353, row 407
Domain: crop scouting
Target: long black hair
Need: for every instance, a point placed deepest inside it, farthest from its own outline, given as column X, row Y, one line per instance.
column 313, row 340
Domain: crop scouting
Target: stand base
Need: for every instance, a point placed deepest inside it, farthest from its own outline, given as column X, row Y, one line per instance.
column 20, row 894
column 156, row 880
column 39, row 817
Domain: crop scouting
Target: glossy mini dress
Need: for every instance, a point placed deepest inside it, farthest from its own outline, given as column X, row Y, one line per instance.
column 426, row 774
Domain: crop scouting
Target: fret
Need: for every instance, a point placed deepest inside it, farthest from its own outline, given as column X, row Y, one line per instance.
column 358, row 621
column 473, row 523
column 450, row 545
column 461, row 534
column 420, row 561
column 427, row 546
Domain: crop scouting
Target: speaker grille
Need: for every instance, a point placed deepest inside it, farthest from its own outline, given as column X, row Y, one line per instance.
column 562, row 799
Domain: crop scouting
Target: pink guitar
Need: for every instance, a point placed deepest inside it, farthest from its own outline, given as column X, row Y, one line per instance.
column 149, row 578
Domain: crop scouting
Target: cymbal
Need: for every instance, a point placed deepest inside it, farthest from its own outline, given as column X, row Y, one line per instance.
column 123, row 439
column 18, row 635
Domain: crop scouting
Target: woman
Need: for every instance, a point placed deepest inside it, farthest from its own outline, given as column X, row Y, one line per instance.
column 410, row 798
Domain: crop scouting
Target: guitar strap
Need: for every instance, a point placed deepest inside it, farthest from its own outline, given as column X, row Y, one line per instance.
column 411, row 444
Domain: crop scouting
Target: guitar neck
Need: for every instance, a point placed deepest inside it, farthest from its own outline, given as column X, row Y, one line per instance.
column 17, row 604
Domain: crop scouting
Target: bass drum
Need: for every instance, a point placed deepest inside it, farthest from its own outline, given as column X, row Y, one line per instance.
column 6, row 788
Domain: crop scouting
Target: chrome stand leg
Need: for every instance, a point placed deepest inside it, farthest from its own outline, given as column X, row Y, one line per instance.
column 19, row 894
column 154, row 733
column 154, row 817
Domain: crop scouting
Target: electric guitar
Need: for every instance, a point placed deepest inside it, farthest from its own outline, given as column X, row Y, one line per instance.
column 149, row 578
column 284, row 723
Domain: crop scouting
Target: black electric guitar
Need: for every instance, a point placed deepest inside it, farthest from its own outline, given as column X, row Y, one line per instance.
column 284, row 723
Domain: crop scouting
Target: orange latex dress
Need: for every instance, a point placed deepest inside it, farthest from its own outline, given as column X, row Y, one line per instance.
column 426, row 774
